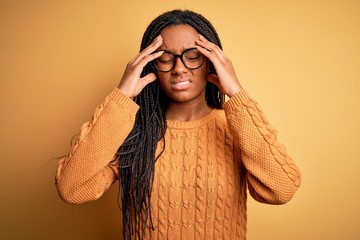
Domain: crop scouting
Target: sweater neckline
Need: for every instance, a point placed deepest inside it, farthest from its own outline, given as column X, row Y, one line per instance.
column 195, row 123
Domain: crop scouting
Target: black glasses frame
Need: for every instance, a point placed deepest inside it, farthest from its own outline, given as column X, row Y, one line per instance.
column 181, row 58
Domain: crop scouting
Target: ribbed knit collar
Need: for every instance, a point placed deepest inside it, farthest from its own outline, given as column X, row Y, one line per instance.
column 195, row 123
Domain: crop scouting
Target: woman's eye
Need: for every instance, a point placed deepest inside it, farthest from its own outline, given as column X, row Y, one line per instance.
column 193, row 58
column 192, row 55
column 166, row 58
column 165, row 61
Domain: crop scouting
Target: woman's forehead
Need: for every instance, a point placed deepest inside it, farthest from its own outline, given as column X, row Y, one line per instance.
column 179, row 37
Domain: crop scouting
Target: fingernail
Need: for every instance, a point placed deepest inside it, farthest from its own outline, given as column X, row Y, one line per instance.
column 201, row 36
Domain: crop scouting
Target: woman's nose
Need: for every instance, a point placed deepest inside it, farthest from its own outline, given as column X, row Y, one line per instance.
column 179, row 66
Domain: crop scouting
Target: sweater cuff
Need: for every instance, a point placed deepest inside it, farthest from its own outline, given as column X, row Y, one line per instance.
column 123, row 100
column 239, row 99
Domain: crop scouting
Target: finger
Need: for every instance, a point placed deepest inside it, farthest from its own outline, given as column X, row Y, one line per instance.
column 205, row 52
column 210, row 55
column 213, row 79
column 213, row 57
column 138, row 67
column 145, row 60
column 211, row 47
column 156, row 43
column 148, row 79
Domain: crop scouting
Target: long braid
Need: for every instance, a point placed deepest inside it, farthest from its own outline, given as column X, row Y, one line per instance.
column 136, row 156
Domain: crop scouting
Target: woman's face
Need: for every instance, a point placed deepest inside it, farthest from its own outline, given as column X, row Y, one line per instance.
column 181, row 84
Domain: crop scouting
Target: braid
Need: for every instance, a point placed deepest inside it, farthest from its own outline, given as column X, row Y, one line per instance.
column 136, row 156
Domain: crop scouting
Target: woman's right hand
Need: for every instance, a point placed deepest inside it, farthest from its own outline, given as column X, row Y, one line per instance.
column 131, row 83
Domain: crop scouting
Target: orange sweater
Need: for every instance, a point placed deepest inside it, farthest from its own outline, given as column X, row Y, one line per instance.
column 201, row 179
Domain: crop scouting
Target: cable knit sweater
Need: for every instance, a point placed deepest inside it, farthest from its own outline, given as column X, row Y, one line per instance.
column 202, row 177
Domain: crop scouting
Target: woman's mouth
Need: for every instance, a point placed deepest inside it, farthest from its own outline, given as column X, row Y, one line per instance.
column 180, row 85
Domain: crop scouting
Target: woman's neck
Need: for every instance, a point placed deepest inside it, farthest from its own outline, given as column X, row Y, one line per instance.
column 185, row 112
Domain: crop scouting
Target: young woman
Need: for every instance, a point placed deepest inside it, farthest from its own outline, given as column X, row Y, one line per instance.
column 184, row 157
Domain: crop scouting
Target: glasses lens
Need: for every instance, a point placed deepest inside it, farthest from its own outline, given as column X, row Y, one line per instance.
column 193, row 58
column 165, row 62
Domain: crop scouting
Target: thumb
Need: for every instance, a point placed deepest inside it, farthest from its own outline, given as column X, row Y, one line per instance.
column 148, row 79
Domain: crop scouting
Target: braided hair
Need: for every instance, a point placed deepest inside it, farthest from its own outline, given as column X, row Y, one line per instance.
column 136, row 156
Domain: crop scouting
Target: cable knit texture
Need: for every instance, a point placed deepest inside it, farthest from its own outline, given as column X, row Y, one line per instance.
column 202, row 177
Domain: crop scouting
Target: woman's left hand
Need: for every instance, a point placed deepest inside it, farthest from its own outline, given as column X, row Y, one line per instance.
column 226, row 79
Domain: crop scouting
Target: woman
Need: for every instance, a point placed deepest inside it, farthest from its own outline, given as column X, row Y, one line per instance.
column 184, row 157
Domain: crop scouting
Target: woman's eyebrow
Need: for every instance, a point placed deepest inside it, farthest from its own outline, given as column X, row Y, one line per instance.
column 168, row 50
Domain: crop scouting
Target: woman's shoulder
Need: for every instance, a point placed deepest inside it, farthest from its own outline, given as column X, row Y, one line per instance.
column 220, row 117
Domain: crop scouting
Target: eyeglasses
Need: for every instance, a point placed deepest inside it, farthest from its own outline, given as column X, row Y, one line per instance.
column 191, row 58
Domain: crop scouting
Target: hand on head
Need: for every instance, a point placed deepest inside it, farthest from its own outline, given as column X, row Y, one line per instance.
column 225, row 78
column 131, row 83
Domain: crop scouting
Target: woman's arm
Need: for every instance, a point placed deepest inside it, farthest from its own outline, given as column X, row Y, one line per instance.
column 85, row 173
column 272, row 175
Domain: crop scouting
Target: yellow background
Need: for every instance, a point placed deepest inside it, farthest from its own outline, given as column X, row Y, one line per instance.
column 299, row 59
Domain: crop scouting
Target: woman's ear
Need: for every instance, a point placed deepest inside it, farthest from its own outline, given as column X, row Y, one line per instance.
column 211, row 77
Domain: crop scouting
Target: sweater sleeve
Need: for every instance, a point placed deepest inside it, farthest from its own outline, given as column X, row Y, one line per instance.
column 272, row 175
column 85, row 173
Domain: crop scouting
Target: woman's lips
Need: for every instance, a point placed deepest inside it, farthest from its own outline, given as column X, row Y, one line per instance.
column 180, row 85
